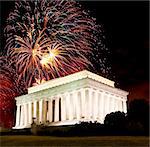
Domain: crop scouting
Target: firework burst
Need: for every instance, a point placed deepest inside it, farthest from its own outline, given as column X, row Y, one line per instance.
column 49, row 39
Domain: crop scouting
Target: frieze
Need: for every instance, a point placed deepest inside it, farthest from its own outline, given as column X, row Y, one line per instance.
column 69, row 87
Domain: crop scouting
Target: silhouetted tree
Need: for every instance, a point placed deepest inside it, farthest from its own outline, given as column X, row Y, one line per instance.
column 115, row 122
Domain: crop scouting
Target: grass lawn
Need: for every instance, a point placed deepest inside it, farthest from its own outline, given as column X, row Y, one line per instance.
column 22, row 140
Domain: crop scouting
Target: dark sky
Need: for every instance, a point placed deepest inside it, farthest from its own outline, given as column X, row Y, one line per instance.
column 126, row 27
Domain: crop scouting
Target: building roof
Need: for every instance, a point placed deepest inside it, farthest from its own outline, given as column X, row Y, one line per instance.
column 70, row 78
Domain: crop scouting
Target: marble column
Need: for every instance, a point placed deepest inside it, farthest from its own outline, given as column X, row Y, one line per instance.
column 22, row 116
column 107, row 104
column 35, row 110
column 99, row 105
column 18, row 115
column 74, row 105
column 77, row 105
column 86, row 103
column 96, row 104
column 93, row 105
column 67, row 100
column 71, row 106
column 83, row 103
column 25, row 114
column 63, row 108
column 49, row 117
column 56, row 116
column 102, row 107
column 120, row 105
column 124, row 106
column 80, row 104
column 112, row 104
column 44, row 110
column 30, row 112
column 90, row 104
column 116, row 104
column 41, row 111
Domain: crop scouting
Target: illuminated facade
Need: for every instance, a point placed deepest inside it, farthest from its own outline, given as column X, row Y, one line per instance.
column 82, row 96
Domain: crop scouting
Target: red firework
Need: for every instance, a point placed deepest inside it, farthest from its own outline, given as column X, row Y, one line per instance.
column 9, row 89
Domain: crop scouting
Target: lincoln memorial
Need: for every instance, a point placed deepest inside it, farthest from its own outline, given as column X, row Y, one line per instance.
column 82, row 96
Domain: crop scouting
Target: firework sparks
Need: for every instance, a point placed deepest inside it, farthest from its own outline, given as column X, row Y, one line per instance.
column 48, row 39
column 9, row 89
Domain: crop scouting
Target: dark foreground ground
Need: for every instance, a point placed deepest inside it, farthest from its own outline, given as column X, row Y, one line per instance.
column 130, row 141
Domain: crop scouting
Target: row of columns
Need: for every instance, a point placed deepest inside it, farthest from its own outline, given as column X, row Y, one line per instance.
column 84, row 104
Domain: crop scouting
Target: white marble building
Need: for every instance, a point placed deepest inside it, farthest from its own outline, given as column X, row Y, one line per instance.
column 83, row 96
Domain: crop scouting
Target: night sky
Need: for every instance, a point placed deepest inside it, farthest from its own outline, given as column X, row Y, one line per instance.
column 126, row 26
